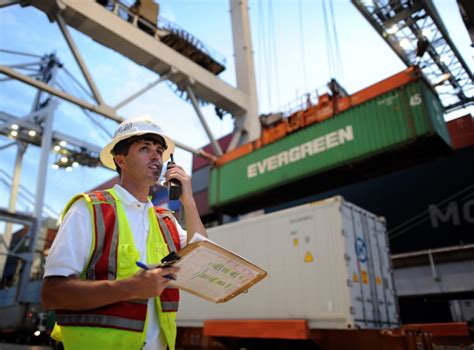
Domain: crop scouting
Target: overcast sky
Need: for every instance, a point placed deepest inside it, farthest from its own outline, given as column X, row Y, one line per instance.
column 291, row 57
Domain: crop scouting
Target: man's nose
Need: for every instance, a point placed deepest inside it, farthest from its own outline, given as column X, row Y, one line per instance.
column 155, row 155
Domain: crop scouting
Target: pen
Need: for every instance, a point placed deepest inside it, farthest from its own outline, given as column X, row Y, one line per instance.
column 146, row 267
column 142, row 265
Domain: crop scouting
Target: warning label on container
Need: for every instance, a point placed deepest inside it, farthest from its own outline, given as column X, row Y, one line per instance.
column 308, row 257
column 364, row 277
column 355, row 278
column 361, row 249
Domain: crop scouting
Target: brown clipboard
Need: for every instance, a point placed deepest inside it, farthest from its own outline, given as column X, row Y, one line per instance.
column 214, row 273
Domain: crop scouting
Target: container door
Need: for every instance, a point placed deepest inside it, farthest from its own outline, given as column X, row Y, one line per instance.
column 389, row 305
column 357, row 255
column 377, row 250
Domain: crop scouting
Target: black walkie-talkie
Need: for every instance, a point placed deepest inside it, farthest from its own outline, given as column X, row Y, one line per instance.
column 174, row 186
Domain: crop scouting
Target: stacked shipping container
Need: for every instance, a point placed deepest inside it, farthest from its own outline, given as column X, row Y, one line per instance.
column 406, row 116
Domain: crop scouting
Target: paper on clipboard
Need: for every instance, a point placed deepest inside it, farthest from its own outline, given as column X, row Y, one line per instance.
column 214, row 273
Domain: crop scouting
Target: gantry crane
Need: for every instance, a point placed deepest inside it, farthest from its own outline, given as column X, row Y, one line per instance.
column 415, row 32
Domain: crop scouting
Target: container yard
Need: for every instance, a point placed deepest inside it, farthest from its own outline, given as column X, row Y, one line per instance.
column 333, row 150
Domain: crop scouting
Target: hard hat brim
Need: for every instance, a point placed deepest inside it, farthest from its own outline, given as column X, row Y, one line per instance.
column 107, row 158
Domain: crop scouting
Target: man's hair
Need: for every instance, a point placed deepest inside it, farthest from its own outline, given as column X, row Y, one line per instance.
column 123, row 146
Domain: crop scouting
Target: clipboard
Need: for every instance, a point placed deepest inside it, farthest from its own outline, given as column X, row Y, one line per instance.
column 214, row 273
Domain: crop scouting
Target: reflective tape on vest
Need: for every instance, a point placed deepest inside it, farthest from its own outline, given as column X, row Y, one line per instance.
column 127, row 315
column 92, row 320
column 166, row 233
column 169, row 306
column 106, row 237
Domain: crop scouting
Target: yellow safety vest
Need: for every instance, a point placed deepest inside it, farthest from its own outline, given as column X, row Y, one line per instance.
column 76, row 337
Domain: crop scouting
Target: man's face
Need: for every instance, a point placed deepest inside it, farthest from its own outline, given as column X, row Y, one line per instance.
column 143, row 163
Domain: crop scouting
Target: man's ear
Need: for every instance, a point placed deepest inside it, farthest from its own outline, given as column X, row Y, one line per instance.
column 120, row 160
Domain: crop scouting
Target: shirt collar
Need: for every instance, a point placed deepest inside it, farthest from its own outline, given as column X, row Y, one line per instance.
column 129, row 199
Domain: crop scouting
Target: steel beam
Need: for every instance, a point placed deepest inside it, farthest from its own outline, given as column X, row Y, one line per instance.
column 7, row 145
column 16, row 218
column 7, row 235
column 26, row 194
column 20, row 53
column 215, row 145
column 145, row 89
column 452, row 277
column 23, row 65
column 429, row 51
column 9, row 119
column 114, row 32
column 236, row 137
column 433, row 251
column 77, row 55
column 439, row 23
column 198, row 152
column 56, row 134
column 46, row 141
column 433, row 267
column 102, row 110
column 245, row 70
column 5, row 3
column 47, row 73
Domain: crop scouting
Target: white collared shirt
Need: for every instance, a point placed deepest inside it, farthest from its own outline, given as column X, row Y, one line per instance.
column 71, row 247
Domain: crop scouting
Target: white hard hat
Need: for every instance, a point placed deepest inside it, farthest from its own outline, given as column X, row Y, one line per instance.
column 133, row 127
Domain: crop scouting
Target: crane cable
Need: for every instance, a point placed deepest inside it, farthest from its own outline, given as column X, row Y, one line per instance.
column 269, row 60
column 328, row 41
column 332, row 43
column 268, row 57
column 336, row 44
column 305, row 81
column 263, row 74
column 274, row 50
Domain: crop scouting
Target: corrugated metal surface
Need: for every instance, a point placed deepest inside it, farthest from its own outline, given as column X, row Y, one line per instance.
column 461, row 131
column 387, row 122
column 199, row 162
column 202, row 203
column 327, row 263
column 200, row 179
column 433, row 110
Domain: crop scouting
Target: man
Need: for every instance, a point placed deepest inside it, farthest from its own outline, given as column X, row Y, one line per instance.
column 103, row 300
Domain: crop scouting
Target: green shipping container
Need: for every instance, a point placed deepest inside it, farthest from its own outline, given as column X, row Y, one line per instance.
column 401, row 117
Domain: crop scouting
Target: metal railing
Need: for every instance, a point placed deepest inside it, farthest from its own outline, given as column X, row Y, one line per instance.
column 303, row 102
column 122, row 9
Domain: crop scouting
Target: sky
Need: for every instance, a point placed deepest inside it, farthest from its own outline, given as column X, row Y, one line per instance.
column 291, row 57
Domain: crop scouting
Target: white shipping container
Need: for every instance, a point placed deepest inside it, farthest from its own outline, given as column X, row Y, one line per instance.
column 328, row 263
